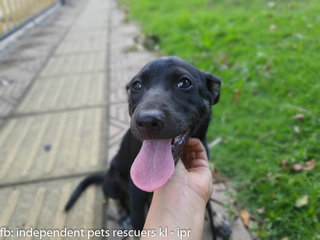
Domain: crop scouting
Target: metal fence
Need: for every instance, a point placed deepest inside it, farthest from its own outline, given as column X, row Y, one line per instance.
column 15, row 13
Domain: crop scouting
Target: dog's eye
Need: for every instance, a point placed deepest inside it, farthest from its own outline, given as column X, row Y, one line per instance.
column 184, row 83
column 137, row 85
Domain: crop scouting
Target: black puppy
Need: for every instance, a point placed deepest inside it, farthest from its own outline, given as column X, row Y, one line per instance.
column 169, row 101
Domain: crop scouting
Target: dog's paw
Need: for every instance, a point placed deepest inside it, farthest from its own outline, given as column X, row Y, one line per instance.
column 222, row 226
column 125, row 223
column 224, row 229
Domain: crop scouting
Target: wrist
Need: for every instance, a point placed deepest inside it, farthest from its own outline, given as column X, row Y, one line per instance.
column 176, row 211
column 182, row 208
column 179, row 198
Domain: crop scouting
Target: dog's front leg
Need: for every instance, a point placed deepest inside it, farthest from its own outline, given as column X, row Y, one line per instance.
column 138, row 203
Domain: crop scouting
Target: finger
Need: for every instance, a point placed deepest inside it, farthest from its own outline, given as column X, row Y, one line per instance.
column 194, row 149
column 193, row 162
column 194, row 154
column 195, row 144
column 187, row 159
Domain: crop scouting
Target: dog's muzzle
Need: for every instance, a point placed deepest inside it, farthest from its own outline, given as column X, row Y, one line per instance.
column 154, row 164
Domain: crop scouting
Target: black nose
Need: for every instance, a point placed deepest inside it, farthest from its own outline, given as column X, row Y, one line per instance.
column 150, row 120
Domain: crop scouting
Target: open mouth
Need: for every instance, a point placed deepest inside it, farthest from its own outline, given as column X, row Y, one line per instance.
column 154, row 164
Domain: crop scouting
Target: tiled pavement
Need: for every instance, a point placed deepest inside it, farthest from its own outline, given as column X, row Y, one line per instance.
column 63, row 112
column 55, row 135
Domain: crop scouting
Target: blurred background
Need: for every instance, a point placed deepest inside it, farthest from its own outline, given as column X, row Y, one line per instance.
column 15, row 14
column 55, row 60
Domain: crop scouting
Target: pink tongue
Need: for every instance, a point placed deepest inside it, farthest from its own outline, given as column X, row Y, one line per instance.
column 153, row 166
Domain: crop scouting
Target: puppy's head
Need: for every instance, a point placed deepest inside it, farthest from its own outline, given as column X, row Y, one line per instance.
column 168, row 97
column 169, row 100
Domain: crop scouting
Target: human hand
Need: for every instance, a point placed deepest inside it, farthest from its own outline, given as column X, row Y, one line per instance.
column 196, row 167
column 192, row 177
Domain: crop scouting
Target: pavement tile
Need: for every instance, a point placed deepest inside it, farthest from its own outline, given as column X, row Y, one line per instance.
column 47, row 32
column 65, row 92
column 47, row 146
column 119, row 111
column 29, row 50
column 125, row 65
column 95, row 16
column 57, row 133
column 84, row 35
column 75, row 64
column 117, row 130
column 117, row 95
column 239, row 232
column 98, row 45
column 83, row 25
column 20, row 63
column 42, row 206
column 26, row 64
column 14, row 82
column 5, row 108
column 41, row 41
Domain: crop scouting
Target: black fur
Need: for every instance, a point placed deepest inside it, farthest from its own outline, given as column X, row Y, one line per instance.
column 92, row 179
column 162, row 104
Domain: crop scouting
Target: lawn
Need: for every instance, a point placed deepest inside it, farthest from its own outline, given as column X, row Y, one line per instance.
column 268, row 56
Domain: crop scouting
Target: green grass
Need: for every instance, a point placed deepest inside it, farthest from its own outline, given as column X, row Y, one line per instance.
column 269, row 62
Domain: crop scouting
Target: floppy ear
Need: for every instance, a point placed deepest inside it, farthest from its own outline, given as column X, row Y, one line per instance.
column 213, row 85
